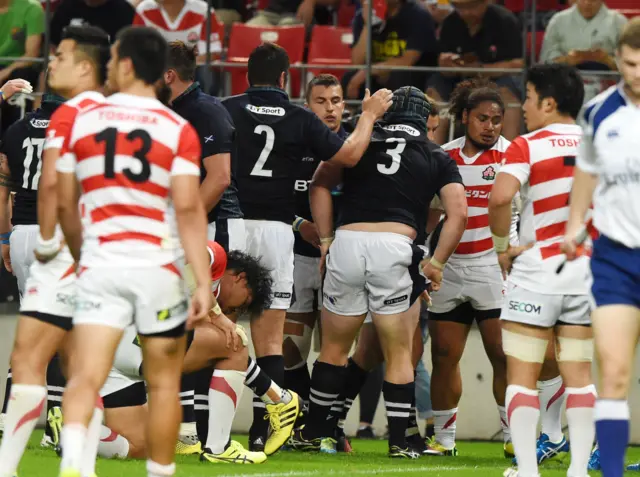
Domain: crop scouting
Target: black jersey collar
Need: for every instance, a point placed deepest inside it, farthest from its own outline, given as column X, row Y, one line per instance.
column 50, row 102
column 191, row 92
column 267, row 89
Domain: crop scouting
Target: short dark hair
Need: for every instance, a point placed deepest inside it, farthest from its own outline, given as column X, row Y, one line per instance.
column 325, row 80
column 560, row 82
column 258, row 278
column 630, row 35
column 266, row 64
column 93, row 44
column 182, row 58
column 469, row 94
column 435, row 110
column 147, row 49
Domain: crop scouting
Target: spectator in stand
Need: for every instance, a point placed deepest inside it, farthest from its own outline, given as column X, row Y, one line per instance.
column 479, row 34
column 292, row 12
column 406, row 37
column 110, row 15
column 21, row 27
column 182, row 20
column 585, row 36
column 439, row 9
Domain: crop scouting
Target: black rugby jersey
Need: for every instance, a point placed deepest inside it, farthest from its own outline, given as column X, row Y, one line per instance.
column 396, row 178
column 23, row 144
column 273, row 138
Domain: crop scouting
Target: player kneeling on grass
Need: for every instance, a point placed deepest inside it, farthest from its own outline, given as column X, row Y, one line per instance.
column 239, row 283
column 544, row 302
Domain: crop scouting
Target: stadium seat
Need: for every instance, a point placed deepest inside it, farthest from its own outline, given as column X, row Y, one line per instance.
column 346, row 12
column 244, row 39
column 622, row 4
column 330, row 46
column 538, row 45
column 630, row 12
column 517, row 6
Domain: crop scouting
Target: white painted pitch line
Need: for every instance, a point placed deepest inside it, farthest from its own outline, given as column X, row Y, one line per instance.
column 379, row 470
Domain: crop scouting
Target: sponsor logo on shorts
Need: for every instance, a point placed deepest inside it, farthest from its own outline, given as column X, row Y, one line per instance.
column 524, row 307
column 281, row 295
column 330, row 299
column 65, row 299
column 394, row 301
column 32, row 291
column 86, row 305
column 168, row 313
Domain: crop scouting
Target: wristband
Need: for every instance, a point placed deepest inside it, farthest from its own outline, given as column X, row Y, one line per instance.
column 297, row 223
column 4, row 242
column 500, row 244
column 47, row 247
column 5, row 236
column 217, row 310
column 326, row 240
column 436, row 264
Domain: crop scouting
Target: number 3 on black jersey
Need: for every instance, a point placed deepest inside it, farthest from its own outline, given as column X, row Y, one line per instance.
column 258, row 169
column 395, row 154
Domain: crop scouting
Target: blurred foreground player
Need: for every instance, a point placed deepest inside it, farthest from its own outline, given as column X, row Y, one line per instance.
column 76, row 72
column 370, row 265
column 607, row 173
column 541, row 304
column 274, row 137
column 129, row 159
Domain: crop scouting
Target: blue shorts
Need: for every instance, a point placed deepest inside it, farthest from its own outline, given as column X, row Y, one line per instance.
column 616, row 274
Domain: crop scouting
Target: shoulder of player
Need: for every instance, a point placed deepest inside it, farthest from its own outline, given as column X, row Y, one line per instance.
column 84, row 100
column 454, row 145
column 603, row 105
column 146, row 5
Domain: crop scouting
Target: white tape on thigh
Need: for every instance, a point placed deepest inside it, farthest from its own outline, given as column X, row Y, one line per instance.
column 525, row 348
column 574, row 349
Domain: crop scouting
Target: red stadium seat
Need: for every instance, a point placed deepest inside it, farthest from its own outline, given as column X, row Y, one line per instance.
column 622, row 4
column 330, row 46
column 244, row 39
column 538, row 45
column 517, row 6
column 630, row 12
column 346, row 12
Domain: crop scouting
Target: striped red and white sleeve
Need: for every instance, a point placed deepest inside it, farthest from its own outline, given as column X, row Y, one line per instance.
column 187, row 160
column 517, row 160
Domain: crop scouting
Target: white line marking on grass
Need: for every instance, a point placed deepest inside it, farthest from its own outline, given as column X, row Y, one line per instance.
column 378, row 470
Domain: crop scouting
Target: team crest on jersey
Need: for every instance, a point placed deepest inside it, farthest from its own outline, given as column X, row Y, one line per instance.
column 403, row 128
column 489, row 173
column 39, row 123
column 268, row 110
column 192, row 37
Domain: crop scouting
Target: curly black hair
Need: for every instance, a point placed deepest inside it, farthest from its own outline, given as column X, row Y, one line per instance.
column 258, row 277
column 470, row 93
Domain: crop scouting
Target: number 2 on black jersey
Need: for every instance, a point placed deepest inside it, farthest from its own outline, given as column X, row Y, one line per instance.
column 258, row 168
column 109, row 136
column 33, row 152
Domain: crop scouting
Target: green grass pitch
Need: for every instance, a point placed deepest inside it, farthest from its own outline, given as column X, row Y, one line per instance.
column 476, row 459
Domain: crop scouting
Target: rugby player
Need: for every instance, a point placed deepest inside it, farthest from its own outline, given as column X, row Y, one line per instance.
column 325, row 98
column 606, row 173
column 472, row 281
column 542, row 305
column 373, row 265
column 275, row 137
column 129, row 160
column 76, row 72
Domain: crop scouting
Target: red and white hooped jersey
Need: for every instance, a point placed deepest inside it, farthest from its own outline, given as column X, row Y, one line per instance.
column 124, row 153
column 217, row 264
column 478, row 175
column 190, row 26
column 543, row 161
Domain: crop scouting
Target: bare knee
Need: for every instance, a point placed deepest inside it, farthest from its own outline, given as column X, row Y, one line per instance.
column 237, row 360
column 614, row 379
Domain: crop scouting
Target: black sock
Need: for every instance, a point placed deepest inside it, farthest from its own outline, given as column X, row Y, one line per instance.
column 412, row 423
column 257, row 380
column 273, row 367
column 7, row 392
column 397, row 400
column 56, row 383
column 355, row 379
column 202, row 381
column 187, row 397
column 370, row 395
column 327, row 380
column 298, row 380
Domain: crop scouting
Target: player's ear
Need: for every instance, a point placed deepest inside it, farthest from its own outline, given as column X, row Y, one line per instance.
column 465, row 116
column 282, row 82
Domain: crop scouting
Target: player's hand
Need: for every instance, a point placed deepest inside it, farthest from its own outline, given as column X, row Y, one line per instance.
column 506, row 259
column 200, row 305
column 309, row 232
column 14, row 86
column 432, row 273
column 228, row 327
column 426, row 298
column 324, row 250
column 378, row 103
column 47, row 250
column 6, row 258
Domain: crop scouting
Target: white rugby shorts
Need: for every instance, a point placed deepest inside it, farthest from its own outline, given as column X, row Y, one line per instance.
column 368, row 271
column 537, row 309
column 272, row 243
column 480, row 286
column 50, row 290
column 22, row 244
column 307, row 284
column 229, row 233
column 127, row 362
column 153, row 298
